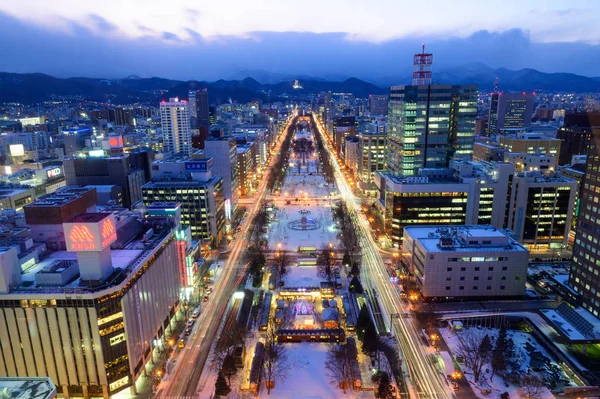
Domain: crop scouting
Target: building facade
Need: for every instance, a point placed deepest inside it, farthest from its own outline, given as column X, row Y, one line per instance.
column 510, row 111
column 175, row 124
column 429, row 125
column 584, row 276
column 91, row 337
column 465, row 262
column 371, row 158
column 223, row 151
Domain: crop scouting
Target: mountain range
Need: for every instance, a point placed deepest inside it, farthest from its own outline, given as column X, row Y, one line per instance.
column 266, row 86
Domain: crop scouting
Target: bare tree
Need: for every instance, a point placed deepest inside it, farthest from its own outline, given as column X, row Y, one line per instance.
column 341, row 365
column 275, row 362
column 325, row 262
column 230, row 338
column 282, row 261
column 475, row 348
column 531, row 387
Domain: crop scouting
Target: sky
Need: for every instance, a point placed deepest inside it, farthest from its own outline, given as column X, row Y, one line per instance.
column 207, row 40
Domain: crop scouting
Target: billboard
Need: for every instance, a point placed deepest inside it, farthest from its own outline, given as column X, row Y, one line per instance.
column 203, row 165
column 116, row 141
column 53, row 173
column 86, row 233
column 17, row 150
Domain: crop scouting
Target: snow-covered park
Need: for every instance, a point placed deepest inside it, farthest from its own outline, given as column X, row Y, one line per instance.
column 526, row 358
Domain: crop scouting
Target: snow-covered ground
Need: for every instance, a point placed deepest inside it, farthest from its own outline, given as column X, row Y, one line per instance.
column 524, row 347
column 308, row 378
column 305, row 276
column 311, row 192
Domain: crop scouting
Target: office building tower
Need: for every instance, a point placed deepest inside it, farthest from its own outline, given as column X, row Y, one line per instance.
column 89, row 317
column 192, row 104
column 575, row 135
column 191, row 183
column 202, row 105
column 371, row 158
column 465, row 262
column 247, row 162
column 378, row 104
column 107, row 171
column 466, row 193
column 584, row 276
column 343, row 126
column 175, row 123
column 428, row 125
column 223, row 150
column 540, row 208
column 510, row 111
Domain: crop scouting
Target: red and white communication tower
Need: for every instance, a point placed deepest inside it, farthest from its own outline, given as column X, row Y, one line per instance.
column 422, row 68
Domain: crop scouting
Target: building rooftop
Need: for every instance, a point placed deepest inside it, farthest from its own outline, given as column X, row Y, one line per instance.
column 27, row 388
column 61, row 197
column 463, row 239
column 89, row 218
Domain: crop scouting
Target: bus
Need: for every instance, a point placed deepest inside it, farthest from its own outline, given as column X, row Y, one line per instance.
column 266, row 310
column 307, row 250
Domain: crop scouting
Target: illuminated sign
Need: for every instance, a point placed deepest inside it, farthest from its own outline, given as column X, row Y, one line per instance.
column 116, row 141
column 90, row 236
column 16, row 150
column 199, row 166
column 54, row 172
column 96, row 153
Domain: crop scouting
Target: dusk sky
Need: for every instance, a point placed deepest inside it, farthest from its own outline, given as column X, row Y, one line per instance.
column 370, row 39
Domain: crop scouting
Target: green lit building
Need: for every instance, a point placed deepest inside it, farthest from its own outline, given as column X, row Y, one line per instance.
column 428, row 125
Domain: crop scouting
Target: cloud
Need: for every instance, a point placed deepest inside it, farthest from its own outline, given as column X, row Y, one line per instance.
column 185, row 54
column 102, row 24
column 169, row 36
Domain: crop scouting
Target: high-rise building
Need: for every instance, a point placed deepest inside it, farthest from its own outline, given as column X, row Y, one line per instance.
column 246, row 157
column 192, row 104
column 175, row 123
column 575, row 135
column 191, row 183
column 585, row 269
column 370, row 158
column 378, row 104
column 202, row 104
column 107, row 171
column 428, row 125
column 510, row 111
column 223, row 150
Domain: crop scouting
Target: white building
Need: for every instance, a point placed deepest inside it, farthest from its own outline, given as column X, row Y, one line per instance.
column 90, row 317
column 175, row 123
column 465, row 261
column 223, row 150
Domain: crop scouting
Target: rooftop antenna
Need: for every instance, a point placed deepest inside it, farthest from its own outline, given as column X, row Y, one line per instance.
column 422, row 68
column 496, row 85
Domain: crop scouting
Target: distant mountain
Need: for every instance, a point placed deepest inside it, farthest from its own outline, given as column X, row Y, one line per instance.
column 36, row 87
column 521, row 80
column 31, row 88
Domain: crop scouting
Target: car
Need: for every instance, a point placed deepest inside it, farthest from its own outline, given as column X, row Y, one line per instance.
column 196, row 313
column 205, row 299
column 190, row 323
column 181, row 343
column 188, row 331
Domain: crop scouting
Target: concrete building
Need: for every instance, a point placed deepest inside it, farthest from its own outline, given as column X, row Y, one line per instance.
column 246, row 161
column 465, row 262
column 351, row 155
column 200, row 194
column 47, row 215
column 488, row 152
column 175, row 124
column 223, row 151
column 429, row 125
column 370, row 158
column 115, row 170
column 378, row 104
column 585, row 269
column 531, row 162
column 467, row 193
column 91, row 317
column 510, row 111
column 202, row 104
column 530, row 143
column 540, row 208
column 15, row 196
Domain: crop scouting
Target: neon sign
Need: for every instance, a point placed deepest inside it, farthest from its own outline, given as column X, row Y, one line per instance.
column 87, row 235
column 55, row 172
